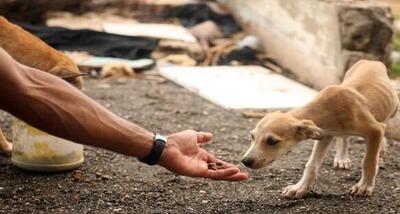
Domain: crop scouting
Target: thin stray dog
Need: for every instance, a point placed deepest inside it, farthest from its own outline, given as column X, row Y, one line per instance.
column 29, row 50
column 359, row 106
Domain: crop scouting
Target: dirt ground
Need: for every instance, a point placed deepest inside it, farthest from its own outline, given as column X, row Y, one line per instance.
column 108, row 182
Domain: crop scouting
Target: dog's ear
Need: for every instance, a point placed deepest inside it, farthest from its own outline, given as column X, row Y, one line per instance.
column 307, row 129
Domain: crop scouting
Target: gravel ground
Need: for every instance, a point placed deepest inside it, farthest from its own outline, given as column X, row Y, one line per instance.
column 108, row 182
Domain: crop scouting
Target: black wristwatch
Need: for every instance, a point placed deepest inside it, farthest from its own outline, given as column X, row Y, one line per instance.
column 157, row 150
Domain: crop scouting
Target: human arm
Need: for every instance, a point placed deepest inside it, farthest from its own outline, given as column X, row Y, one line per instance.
column 54, row 106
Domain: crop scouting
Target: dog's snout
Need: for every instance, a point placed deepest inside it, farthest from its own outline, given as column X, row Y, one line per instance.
column 247, row 162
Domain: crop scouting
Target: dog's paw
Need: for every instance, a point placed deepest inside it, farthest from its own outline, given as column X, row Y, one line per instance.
column 341, row 163
column 362, row 189
column 6, row 147
column 295, row 191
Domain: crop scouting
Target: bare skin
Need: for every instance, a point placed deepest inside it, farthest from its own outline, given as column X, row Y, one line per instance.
column 54, row 106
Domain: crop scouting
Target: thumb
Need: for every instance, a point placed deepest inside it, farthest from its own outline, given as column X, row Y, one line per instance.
column 204, row 137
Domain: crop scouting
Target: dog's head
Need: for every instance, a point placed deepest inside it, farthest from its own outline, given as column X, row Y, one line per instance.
column 70, row 73
column 274, row 136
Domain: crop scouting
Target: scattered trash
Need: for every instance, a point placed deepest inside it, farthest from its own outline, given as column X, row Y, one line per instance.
column 273, row 67
column 117, row 70
column 160, row 31
column 217, row 8
column 221, row 47
column 180, row 59
column 243, row 56
column 77, row 56
column 205, row 32
column 96, row 43
column 192, row 14
column 168, row 2
column 250, row 41
column 166, row 47
column 90, row 21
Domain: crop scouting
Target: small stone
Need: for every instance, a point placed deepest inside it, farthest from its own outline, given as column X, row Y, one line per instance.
column 77, row 176
column 106, row 177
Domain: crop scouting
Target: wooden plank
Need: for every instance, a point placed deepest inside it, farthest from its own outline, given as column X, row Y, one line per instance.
column 161, row 31
column 240, row 87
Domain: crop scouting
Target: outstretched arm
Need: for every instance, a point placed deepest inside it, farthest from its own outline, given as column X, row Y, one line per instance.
column 54, row 106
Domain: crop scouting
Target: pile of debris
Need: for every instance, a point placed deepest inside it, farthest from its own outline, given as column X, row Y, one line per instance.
column 185, row 33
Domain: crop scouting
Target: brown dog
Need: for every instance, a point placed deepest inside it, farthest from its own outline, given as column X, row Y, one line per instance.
column 359, row 106
column 33, row 52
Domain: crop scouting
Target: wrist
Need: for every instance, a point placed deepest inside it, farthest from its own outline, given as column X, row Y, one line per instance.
column 147, row 144
column 167, row 153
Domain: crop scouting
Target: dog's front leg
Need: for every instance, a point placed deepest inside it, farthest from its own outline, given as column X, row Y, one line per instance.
column 370, row 165
column 311, row 170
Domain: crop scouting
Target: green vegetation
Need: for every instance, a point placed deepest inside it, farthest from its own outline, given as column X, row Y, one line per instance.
column 396, row 41
column 396, row 69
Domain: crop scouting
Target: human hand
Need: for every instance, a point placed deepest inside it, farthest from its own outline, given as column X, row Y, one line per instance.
column 184, row 156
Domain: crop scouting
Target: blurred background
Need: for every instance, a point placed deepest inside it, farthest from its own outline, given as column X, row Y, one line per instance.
column 217, row 66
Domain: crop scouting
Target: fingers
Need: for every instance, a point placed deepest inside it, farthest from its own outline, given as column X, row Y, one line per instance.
column 227, row 174
column 203, row 137
column 237, row 177
column 221, row 173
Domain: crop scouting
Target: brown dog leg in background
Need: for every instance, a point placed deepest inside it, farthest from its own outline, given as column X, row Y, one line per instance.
column 29, row 50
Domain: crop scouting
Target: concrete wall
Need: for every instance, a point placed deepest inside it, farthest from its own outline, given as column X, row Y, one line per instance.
column 317, row 39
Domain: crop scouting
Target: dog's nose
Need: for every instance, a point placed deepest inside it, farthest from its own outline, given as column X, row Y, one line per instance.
column 247, row 162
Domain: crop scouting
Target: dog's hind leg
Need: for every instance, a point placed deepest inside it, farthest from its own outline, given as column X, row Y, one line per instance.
column 5, row 146
column 342, row 160
column 382, row 153
column 374, row 141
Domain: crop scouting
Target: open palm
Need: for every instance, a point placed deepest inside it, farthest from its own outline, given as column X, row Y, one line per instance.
column 184, row 156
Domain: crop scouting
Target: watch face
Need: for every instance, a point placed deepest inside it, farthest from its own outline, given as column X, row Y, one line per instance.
column 160, row 137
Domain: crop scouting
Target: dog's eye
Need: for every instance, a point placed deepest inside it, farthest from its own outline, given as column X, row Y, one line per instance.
column 271, row 141
column 252, row 136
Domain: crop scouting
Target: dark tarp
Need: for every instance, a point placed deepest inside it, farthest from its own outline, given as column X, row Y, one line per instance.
column 96, row 43
column 245, row 56
column 193, row 14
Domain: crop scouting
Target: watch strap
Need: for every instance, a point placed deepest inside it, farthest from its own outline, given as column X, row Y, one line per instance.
column 156, row 152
